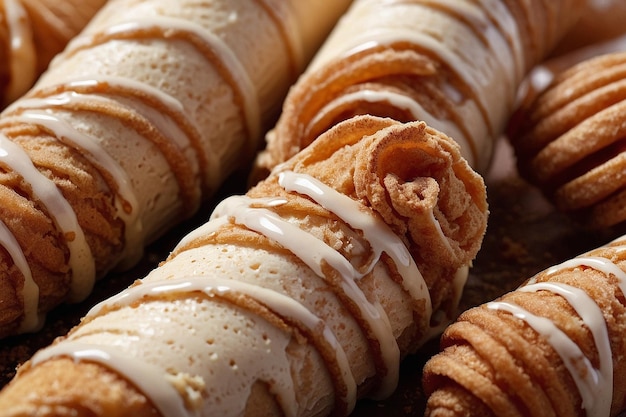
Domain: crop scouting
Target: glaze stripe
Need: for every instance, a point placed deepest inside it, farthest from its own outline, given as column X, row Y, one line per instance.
column 595, row 385
column 283, row 305
column 127, row 205
column 214, row 49
column 147, row 378
column 30, row 290
column 59, row 209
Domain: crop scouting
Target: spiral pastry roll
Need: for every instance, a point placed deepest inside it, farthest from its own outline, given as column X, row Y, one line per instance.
column 456, row 65
column 134, row 124
column 295, row 299
column 569, row 140
column 553, row 347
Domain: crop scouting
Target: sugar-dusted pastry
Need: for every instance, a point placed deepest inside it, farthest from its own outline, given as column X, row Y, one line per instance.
column 137, row 121
column 553, row 347
column 568, row 139
column 295, row 299
column 32, row 32
column 456, row 65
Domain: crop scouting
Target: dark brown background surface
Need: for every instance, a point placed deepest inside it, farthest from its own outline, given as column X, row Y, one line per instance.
column 524, row 236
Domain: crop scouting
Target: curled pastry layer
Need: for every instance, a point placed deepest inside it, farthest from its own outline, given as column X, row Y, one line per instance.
column 569, row 140
column 295, row 299
column 456, row 65
column 138, row 120
column 553, row 347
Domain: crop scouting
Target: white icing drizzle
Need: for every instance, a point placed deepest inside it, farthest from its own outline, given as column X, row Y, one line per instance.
column 595, row 385
column 30, row 290
column 147, row 378
column 165, row 125
column 569, row 351
column 22, row 50
column 597, row 263
column 127, row 209
column 81, row 261
column 251, row 105
column 281, row 304
column 256, row 215
column 374, row 230
column 418, row 112
column 312, row 251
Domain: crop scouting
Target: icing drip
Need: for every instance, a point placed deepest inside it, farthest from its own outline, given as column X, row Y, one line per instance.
column 281, row 304
column 80, row 261
column 146, row 377
column 595, row 385
column 172, row 141
column 256, row 214
column 211, row 46
column 301, row 243
column 374, row 230
column 127, row 203
column 30, row 290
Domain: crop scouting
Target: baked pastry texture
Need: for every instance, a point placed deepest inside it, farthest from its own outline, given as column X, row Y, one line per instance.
column 569, row 139
column 134, row 124
column 553, row 347
column 32, row 32
column 456, row 65
column 297, row 298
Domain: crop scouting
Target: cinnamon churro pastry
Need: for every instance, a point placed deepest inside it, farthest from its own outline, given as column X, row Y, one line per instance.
column 32, row 32
column 568, row 140
column 456, row 65
column 134, row 124
column 295, row 299
column 553, row 347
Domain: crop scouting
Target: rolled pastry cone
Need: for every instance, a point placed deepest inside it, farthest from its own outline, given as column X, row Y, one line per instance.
column 553, row 347
column 569, row 139
column 294, row 299
column 456, row 65
column 32, row 32
column 138, row 120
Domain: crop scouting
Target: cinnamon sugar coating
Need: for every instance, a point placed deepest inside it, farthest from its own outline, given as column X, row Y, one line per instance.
column 569, row 140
